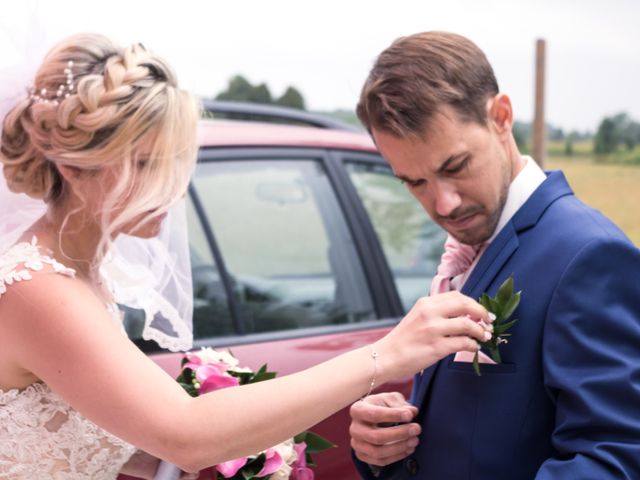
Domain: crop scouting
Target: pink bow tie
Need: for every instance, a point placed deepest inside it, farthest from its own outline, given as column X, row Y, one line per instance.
column 455, row 261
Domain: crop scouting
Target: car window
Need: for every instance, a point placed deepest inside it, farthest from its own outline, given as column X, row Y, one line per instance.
column 285, row 244
column 411, row 242
column 211, row 314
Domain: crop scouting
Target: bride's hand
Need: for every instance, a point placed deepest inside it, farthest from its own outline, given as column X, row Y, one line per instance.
column 435, row 327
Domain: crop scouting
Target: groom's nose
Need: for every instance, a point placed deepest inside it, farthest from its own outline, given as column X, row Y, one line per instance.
column 445, row 197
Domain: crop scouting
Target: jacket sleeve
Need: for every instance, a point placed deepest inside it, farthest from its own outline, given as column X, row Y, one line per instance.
column 364, row 469
column 591, row 364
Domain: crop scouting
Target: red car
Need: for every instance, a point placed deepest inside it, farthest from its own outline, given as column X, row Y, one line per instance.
column 304, row 245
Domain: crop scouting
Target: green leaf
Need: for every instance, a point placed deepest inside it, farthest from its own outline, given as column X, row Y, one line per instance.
column 263, row 376
column 511, row 306
column 505, row 291
column 495, row 355
column 315, row 443
column 186, row 376
column 476, row 365
column 499, row 330
column 253, row 467
column 503, row 305
column 485, row 301
column 190, row 389
column 495, row 308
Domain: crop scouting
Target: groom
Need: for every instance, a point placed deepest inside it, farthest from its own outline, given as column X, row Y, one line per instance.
column 564, row 404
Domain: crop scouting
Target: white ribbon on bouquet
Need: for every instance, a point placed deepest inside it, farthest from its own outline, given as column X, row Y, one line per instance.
column 167, row 471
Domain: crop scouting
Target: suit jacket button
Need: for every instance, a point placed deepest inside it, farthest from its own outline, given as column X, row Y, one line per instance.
column 411, row 464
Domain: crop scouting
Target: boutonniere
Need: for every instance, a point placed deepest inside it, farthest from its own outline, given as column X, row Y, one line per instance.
column 502, row 306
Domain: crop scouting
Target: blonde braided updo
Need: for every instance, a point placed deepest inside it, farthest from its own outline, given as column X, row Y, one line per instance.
column 122, row 98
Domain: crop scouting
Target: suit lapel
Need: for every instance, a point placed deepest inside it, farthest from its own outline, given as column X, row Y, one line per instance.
column 491, row 262
column 506, row 242
column 497, row 254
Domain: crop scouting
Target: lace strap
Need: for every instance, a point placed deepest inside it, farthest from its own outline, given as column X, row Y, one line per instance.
column 17, row 263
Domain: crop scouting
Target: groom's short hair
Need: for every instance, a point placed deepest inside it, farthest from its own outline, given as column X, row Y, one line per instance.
column 417, row 75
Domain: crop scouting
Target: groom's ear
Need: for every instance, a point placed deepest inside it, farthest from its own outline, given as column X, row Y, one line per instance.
column 500, row 113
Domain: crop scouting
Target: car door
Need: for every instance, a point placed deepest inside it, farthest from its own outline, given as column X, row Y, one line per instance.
column 299, row 255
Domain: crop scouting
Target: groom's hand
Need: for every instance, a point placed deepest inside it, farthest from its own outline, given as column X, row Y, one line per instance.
column 380, row 430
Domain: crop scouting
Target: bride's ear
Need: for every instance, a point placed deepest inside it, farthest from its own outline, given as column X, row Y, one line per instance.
column 70, row 174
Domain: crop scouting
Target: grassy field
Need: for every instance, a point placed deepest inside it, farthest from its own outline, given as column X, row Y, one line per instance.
column 614, row 189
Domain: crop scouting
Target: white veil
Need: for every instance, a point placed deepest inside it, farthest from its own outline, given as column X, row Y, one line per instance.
column 152, row 276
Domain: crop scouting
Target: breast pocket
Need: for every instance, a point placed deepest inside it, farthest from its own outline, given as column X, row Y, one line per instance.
column 485, row 368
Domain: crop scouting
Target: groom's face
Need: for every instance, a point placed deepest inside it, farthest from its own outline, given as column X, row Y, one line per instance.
column 459, row 171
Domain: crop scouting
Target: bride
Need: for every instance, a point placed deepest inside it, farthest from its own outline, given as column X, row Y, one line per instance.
column 107, row 140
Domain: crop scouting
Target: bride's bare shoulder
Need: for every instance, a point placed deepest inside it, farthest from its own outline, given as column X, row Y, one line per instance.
column 36, row 287
column 41, row 300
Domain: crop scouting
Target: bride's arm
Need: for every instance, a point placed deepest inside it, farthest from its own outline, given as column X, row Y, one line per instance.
column 57, row 329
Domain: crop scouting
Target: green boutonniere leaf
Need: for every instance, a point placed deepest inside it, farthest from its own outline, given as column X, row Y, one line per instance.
column 502, row 306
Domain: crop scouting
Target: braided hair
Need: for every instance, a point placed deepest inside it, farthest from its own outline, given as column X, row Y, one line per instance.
column 123, row 99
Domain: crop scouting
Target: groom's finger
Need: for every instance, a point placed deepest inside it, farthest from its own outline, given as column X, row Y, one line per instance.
column 384, row 436
column 363, row 411
column 383, row 461
column 381, row 446
column 387, row 399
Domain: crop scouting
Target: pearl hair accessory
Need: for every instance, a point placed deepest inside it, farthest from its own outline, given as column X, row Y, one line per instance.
column 63, row 91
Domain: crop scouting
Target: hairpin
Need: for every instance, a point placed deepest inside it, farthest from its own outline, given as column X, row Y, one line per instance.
column 64, row 90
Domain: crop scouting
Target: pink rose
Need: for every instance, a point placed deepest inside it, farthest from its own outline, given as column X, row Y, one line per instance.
column 299, row 470
column 272, row 463
column 211, row 376
column 230, row 468
column 301, row 473
column 217, row 382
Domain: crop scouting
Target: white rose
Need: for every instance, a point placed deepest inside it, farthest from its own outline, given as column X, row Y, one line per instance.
column 287, row 452
column 209, row 355
column 283, row 473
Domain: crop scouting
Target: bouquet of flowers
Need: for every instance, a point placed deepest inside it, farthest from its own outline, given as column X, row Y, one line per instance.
column 209, row 370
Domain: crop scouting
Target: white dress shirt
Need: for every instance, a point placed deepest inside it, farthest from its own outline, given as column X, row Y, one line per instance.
column 521, row 188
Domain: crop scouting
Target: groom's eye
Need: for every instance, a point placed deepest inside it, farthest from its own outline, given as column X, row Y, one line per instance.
column 413, row 183
column 458, row 167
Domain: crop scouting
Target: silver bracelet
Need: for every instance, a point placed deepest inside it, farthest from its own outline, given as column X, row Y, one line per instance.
column 374, row 355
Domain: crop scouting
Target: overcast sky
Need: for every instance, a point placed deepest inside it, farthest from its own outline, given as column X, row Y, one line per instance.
column 325, row 48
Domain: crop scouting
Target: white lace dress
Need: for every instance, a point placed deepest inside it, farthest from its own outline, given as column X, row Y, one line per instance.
column 41, row 436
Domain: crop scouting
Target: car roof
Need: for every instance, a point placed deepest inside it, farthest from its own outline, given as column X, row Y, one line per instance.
column 230, row 133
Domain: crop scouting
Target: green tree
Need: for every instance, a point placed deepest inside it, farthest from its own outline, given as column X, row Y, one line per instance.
column 606, row 139
column 631, row 134
column 239, row 89
column 260, row 94
column 568, row 146
column 291, row 98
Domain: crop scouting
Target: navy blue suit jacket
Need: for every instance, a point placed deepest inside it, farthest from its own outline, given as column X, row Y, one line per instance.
column 565, row 402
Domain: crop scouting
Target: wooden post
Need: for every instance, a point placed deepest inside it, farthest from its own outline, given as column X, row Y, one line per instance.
column 538, row 117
